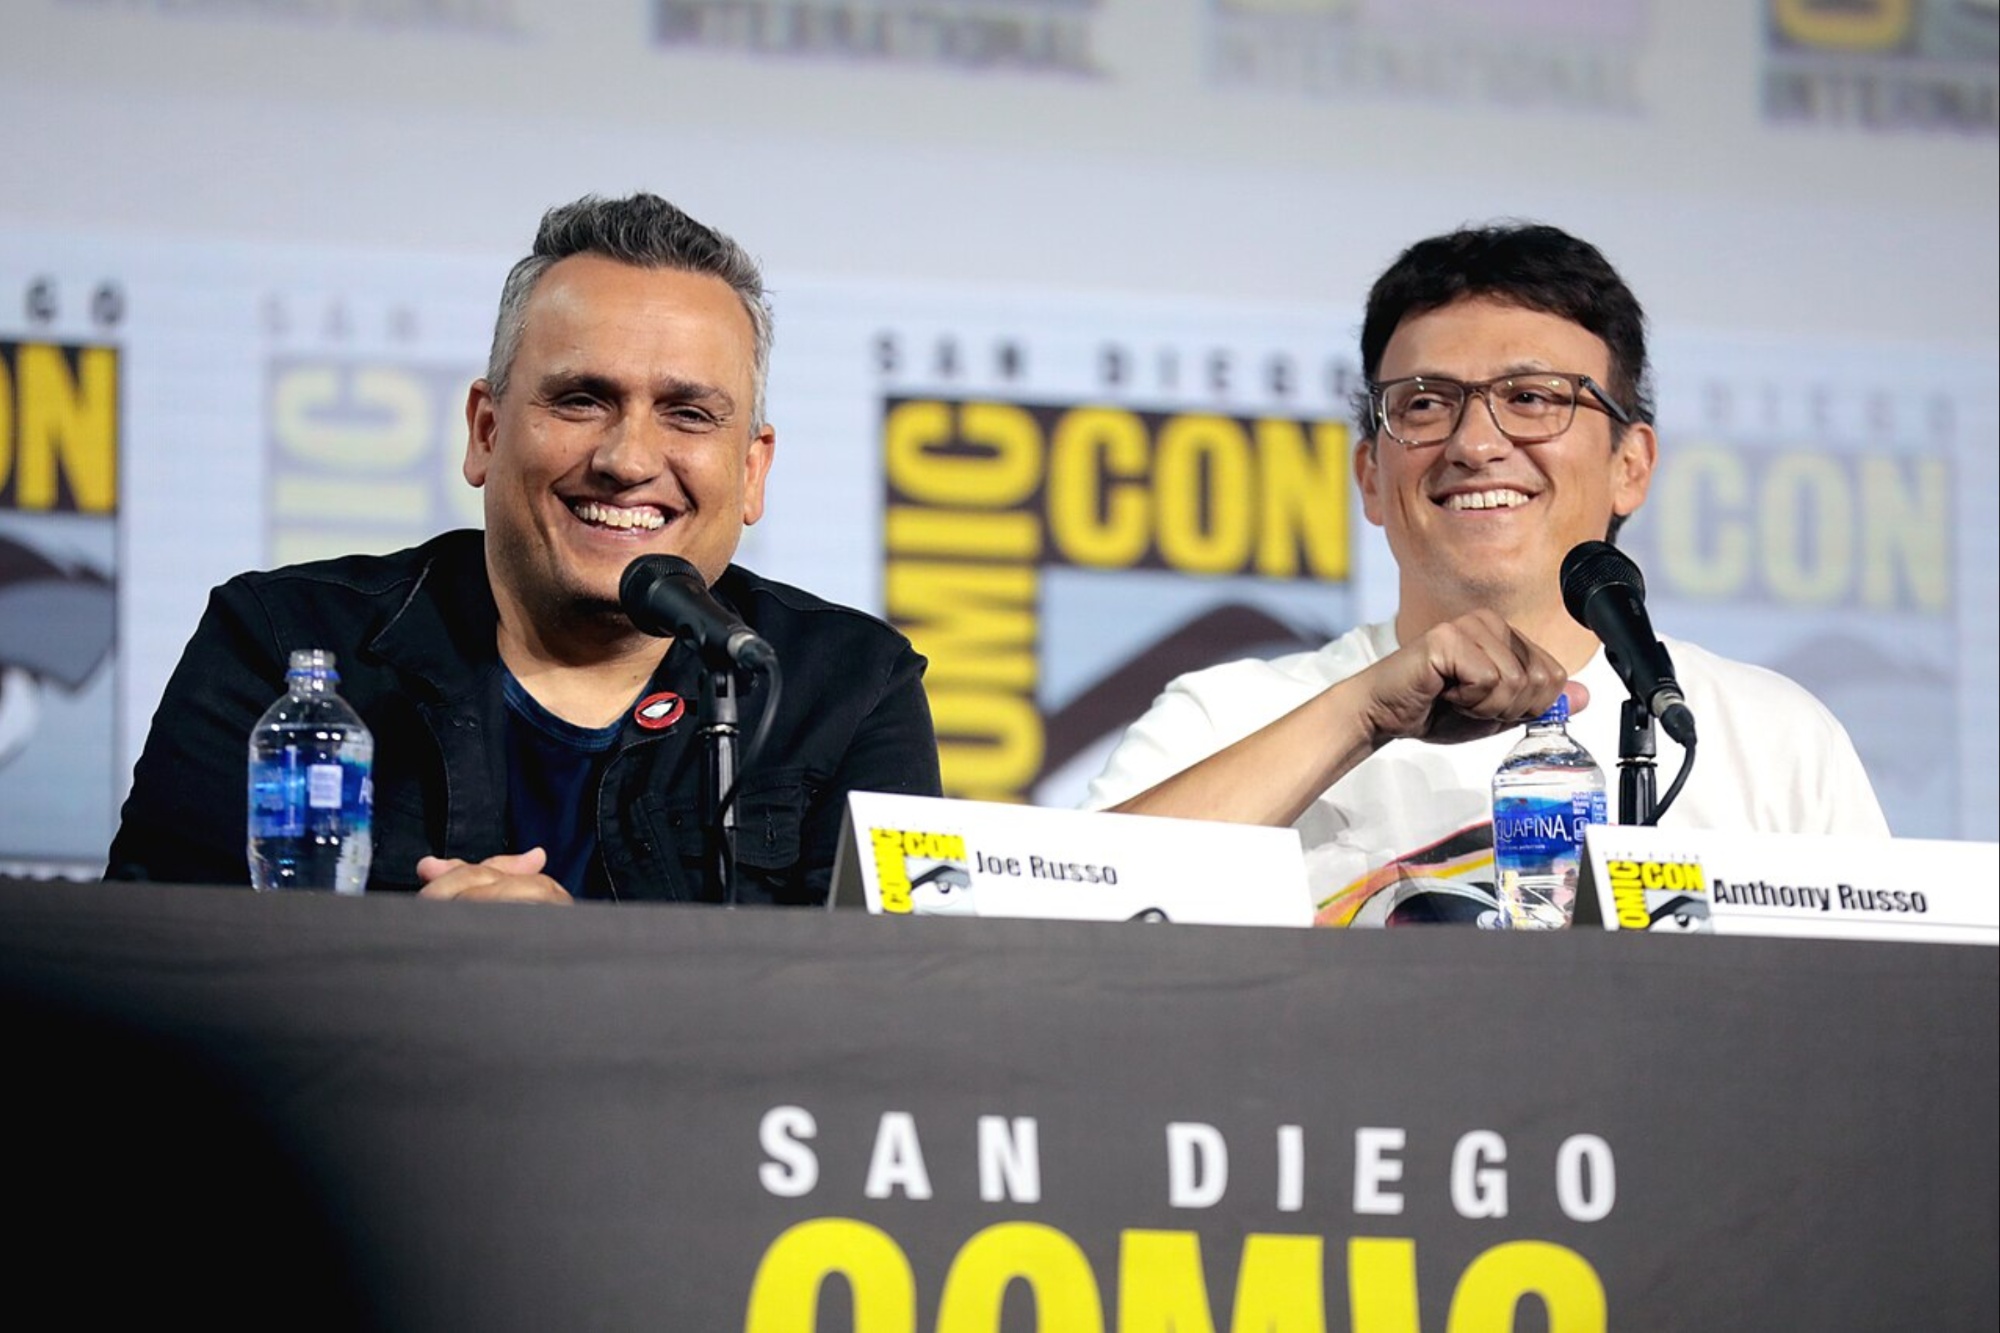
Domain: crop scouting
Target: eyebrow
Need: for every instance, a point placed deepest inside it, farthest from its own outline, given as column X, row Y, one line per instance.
column 1515, row 368
column 672, row 389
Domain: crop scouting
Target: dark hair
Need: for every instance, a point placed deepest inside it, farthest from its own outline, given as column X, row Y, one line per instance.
column 1532, row 265
column 1526, row 264
column 647, row 232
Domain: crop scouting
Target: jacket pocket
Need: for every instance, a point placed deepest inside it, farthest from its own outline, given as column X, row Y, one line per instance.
column 769, row 813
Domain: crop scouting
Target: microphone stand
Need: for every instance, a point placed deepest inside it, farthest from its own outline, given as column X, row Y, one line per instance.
column 718, row 705
column 1636, row 773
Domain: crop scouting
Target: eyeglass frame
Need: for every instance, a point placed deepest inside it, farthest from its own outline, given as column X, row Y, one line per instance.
column 1379, row 406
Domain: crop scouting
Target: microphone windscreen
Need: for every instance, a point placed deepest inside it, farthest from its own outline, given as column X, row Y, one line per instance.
column 1591, row 567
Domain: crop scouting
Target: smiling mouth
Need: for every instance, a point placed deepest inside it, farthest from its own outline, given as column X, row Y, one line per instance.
column 1493, row 499
column 637, row 518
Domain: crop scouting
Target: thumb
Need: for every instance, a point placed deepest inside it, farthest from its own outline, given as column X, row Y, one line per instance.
column 529, row 862
column 1579, row 695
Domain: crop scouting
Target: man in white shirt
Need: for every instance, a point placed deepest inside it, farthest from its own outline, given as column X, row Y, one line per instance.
column 1380, row 747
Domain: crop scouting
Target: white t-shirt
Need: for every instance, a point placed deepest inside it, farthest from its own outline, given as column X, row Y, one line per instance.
column 1769, row 758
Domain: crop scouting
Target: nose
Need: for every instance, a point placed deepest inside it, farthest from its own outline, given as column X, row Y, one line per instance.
column 631, row 451
column 1478, row 439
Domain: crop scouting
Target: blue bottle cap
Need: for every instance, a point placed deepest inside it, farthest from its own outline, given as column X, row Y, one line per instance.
column 1558, row 711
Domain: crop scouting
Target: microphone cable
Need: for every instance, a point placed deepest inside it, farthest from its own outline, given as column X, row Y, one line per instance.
column 1680, row 780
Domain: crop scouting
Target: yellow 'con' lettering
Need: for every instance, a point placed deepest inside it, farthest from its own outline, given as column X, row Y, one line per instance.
column 1203, row 478
column 1302, row 496
column 1098, row 515
column 58, row 428
column 1207, row 496
column 784, row 1295
column 1808, row 528
column 1049, row 1262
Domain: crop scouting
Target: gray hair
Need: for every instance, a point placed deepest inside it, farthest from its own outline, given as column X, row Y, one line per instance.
column 645, row 231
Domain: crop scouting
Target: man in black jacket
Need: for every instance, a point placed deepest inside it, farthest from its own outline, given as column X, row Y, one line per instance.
column 531, row 743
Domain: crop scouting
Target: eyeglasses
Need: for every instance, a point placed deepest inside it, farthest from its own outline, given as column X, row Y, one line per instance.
column 1528, row 409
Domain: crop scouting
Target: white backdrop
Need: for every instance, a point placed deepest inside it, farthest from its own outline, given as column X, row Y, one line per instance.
column 280, row 227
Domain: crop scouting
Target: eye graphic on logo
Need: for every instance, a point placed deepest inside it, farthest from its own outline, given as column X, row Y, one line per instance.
column 1684, row 911
column 943, row 890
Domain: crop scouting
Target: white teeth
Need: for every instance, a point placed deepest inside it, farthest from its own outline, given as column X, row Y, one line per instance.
column 1496, row 499
column 612, row 516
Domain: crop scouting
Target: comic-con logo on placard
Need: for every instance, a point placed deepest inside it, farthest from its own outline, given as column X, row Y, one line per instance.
column 1914, row 65
column 1659, row 895
column 1519, row 53
column 59, row 450
column 922, row 872
column 1029, row 36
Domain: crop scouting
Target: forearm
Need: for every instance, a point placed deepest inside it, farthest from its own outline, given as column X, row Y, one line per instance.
column 1272, row 775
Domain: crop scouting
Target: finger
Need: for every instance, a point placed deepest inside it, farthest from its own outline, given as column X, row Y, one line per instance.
column 434, row 867
column 529, row 862
column 1579, row 695
column 515, row 889
column 1490, row 669
column 483, row 883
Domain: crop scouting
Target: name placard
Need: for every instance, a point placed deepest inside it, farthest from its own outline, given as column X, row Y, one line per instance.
column 1817, row 885
column 925, row 855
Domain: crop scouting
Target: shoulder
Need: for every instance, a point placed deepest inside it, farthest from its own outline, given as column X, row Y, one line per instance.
column 367, row 577
column 1738, row 685
column 792, row 618
column 1302, row 674
column 433, row 593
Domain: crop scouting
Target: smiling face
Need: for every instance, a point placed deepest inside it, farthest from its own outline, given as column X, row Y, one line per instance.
column 627, row 428
column 1479, row 521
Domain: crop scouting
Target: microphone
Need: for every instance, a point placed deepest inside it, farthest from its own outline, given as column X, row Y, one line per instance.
column 1606, row 593
column 665, row 595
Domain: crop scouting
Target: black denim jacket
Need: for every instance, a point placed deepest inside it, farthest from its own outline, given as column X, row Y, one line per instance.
column 414, row 638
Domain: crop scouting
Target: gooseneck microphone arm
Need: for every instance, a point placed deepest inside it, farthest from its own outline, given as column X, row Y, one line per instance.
column 665, row 595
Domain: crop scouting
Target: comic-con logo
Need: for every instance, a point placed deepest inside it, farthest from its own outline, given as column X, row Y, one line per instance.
column 917, row 871
column 990, row 503
column 1659, row 895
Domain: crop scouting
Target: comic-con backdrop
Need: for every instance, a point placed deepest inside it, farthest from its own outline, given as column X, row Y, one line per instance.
column 1067, row 293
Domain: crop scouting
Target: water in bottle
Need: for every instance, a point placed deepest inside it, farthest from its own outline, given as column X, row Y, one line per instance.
column 1546, row 791
column 311, row 790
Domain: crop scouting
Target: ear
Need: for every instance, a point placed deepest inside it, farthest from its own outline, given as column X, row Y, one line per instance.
column 481, row 422
column 1368, row 474
column 756, row 468
column 1632, row 469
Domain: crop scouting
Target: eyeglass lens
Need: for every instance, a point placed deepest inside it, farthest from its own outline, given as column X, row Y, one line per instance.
column 1526, row 408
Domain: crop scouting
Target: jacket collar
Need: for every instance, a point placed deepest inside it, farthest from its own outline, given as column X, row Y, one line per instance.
column 445, row 633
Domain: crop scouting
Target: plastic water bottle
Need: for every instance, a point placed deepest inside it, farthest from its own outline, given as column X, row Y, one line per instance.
column 311, row 789
column 1546, row 791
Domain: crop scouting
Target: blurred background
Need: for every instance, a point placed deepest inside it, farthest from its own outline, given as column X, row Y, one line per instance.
column 1067, row 299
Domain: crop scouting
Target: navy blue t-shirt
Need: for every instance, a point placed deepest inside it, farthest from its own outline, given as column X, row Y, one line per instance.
column 553, row 769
